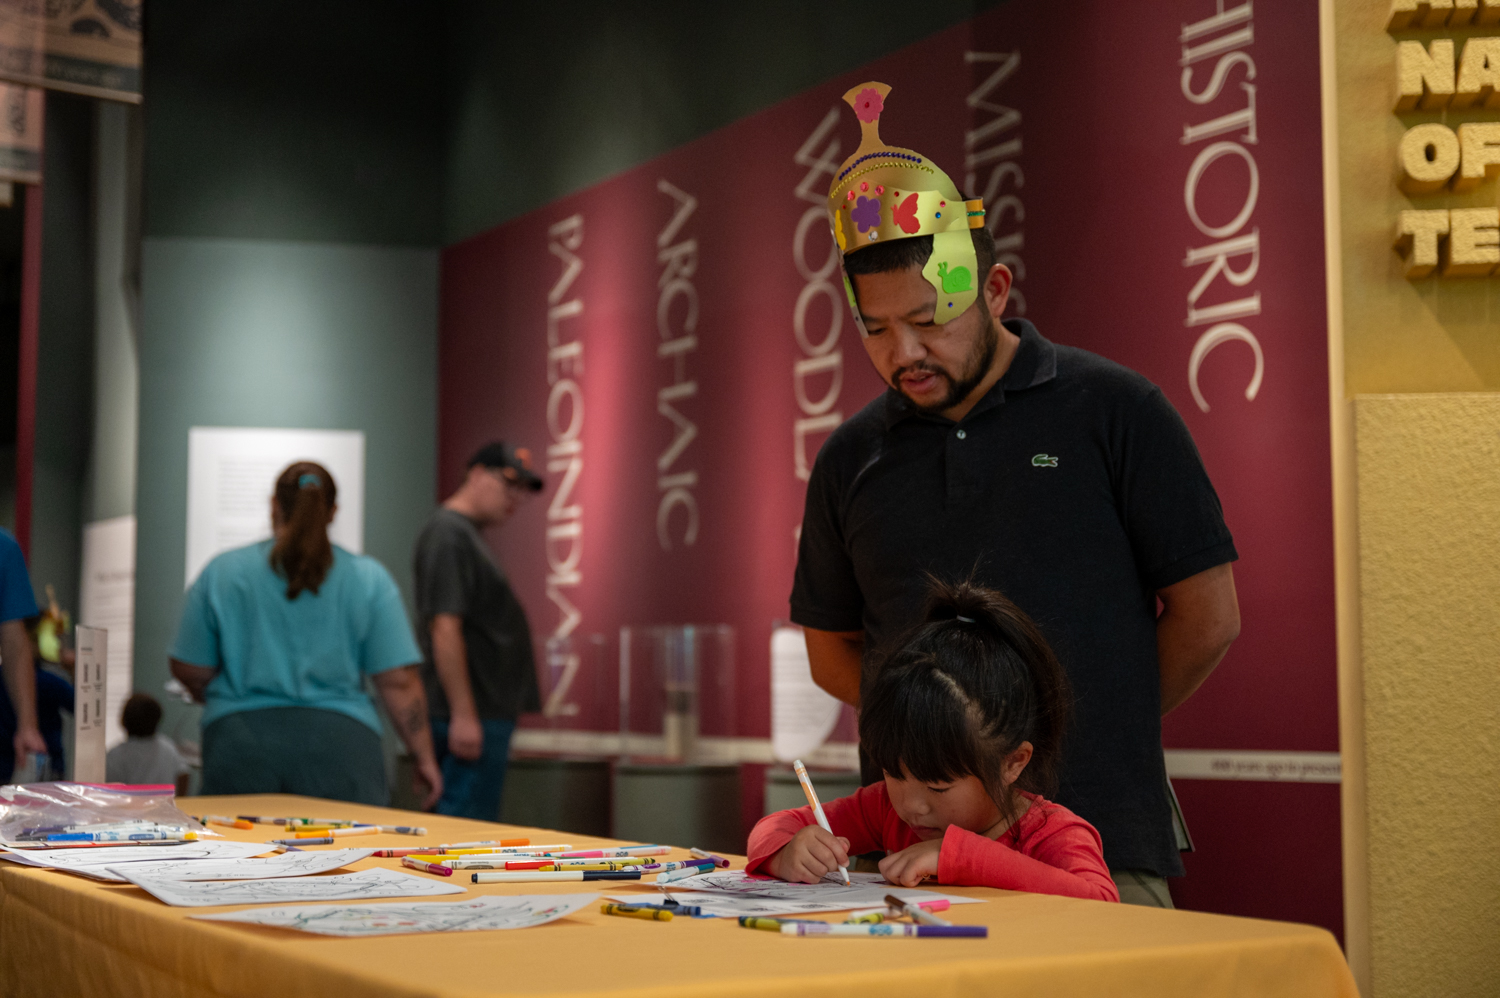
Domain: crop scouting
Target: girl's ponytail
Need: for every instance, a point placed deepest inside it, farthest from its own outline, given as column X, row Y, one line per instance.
column 305, row 496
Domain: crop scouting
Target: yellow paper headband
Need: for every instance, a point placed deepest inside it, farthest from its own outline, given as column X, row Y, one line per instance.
column 884, row 192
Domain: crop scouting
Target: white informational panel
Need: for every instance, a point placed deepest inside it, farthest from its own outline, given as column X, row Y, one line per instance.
column 232, row 473
column 802, row 715
column 107, row 601
column 90, row 694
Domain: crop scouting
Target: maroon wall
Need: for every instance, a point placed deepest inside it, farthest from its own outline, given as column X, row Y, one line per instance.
column 1083, row 148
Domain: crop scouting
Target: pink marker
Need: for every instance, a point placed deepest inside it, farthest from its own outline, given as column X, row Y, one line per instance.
column 417, row 864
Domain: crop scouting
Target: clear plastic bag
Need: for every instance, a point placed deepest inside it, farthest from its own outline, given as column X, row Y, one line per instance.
column 53, row 814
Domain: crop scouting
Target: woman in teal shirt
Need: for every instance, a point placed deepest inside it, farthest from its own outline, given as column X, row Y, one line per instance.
column 276, row 641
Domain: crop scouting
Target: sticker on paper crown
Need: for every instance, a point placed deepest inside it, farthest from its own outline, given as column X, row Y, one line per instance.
column 882, row 192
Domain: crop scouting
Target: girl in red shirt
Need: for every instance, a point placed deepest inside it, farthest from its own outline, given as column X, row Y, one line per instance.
column 965, row 719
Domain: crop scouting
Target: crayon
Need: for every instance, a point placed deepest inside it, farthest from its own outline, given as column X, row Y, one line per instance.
column 407, row 851
column 543, row 876
column 705, row 854
column 487, row 847
column 753, row 922
column 886, row 930
column 633, row 911
column 615, row 853
column 690, row 910
column 299, row 841
column 401, row 829
column 817, row 806
column 417, row 864
column 219, row 819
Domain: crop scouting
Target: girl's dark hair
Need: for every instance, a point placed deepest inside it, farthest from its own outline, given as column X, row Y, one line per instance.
column 961, row 692
column 305, row 495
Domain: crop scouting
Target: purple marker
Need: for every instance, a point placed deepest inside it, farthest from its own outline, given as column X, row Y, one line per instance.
column 719, row 861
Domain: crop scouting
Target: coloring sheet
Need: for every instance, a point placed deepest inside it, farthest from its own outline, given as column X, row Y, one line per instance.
column 360, row 886
column 730, row 893
column 93, row 861
column 288, row 864
column 521, row 911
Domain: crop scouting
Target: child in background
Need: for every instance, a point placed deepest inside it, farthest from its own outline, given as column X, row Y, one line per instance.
column 145, row 757
column 966, row 720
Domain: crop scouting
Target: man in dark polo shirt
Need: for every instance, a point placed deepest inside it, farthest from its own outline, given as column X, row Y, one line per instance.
column 476, row 643
column 1058, row 477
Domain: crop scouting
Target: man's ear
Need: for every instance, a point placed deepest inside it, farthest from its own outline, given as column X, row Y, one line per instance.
column 997, row 289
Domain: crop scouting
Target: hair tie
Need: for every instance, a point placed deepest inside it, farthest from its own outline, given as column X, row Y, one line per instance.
column 309, row 481
column 966, row 620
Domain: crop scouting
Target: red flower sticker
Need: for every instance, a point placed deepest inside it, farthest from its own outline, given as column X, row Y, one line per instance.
column 868, row 104
column 905, row 215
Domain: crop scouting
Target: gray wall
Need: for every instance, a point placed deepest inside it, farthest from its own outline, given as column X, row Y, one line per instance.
column 289, row 277
column 242, row 332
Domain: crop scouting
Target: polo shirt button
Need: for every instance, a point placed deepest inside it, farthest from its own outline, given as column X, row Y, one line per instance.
column 961, row 434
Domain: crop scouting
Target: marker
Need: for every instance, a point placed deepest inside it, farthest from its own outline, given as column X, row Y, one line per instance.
column 406, row 851
column 357, row 830
column 886, row 930
column 401, row 829
column 558, row 847
column 913, row 912
column 586, row 864
column 543, row 876
column 300, row 841
column 162, row 836
column 669, row 867
column 616, row 853
column 219, row 819
column 417, row 864
column 634, row 911
column 817, row 806
column 684, row 872
column 502, row 843
column 873, row 916
column 705, row 854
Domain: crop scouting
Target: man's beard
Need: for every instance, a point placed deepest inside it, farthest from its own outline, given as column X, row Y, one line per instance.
column 976, row 366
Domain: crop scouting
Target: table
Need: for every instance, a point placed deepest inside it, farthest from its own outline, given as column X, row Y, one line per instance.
column 62, row 934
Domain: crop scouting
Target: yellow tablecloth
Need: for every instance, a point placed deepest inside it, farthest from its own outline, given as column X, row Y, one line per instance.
column 61, row 934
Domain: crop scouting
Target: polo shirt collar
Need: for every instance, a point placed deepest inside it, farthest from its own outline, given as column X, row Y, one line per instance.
column 1035, row 363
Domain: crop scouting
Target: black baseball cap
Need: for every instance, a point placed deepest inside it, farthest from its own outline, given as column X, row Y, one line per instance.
column 496, row 454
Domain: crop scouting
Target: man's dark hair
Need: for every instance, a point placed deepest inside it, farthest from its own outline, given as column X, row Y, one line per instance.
column 899, row 254
column 141, row 715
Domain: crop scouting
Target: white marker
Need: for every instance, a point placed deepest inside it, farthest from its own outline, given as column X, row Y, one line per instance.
column 812, row 798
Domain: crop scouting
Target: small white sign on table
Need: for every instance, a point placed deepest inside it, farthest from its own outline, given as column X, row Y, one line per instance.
column 90, row 703
column 232, row 473
column 107, row 600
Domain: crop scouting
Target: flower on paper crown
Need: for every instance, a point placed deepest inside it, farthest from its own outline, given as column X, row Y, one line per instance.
column 869, row 104
column 866, row 213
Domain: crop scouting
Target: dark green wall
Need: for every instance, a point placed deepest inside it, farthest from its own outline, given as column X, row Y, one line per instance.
column 279, row 120
column 546, row 99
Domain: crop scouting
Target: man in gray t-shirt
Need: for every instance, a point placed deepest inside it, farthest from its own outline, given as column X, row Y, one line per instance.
column 476, row 644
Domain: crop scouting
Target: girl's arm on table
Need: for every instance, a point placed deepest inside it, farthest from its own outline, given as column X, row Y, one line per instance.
column 856, row 818
column 1068, row 861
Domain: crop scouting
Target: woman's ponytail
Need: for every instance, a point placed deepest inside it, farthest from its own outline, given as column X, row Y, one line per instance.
column 302, row 554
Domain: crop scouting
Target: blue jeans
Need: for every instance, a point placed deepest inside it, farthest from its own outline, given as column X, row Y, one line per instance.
column 473, row 789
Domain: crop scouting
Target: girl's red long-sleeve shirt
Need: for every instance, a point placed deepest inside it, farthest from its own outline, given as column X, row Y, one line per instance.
column 1050, row 850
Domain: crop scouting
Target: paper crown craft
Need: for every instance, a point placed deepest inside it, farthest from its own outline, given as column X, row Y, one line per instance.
column 883, row 192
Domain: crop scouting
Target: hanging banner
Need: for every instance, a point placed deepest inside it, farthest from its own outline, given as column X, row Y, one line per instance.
column 21, row 130
column 88, row 47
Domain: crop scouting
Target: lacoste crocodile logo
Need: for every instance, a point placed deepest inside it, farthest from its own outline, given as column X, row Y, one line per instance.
column 1043, row 461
